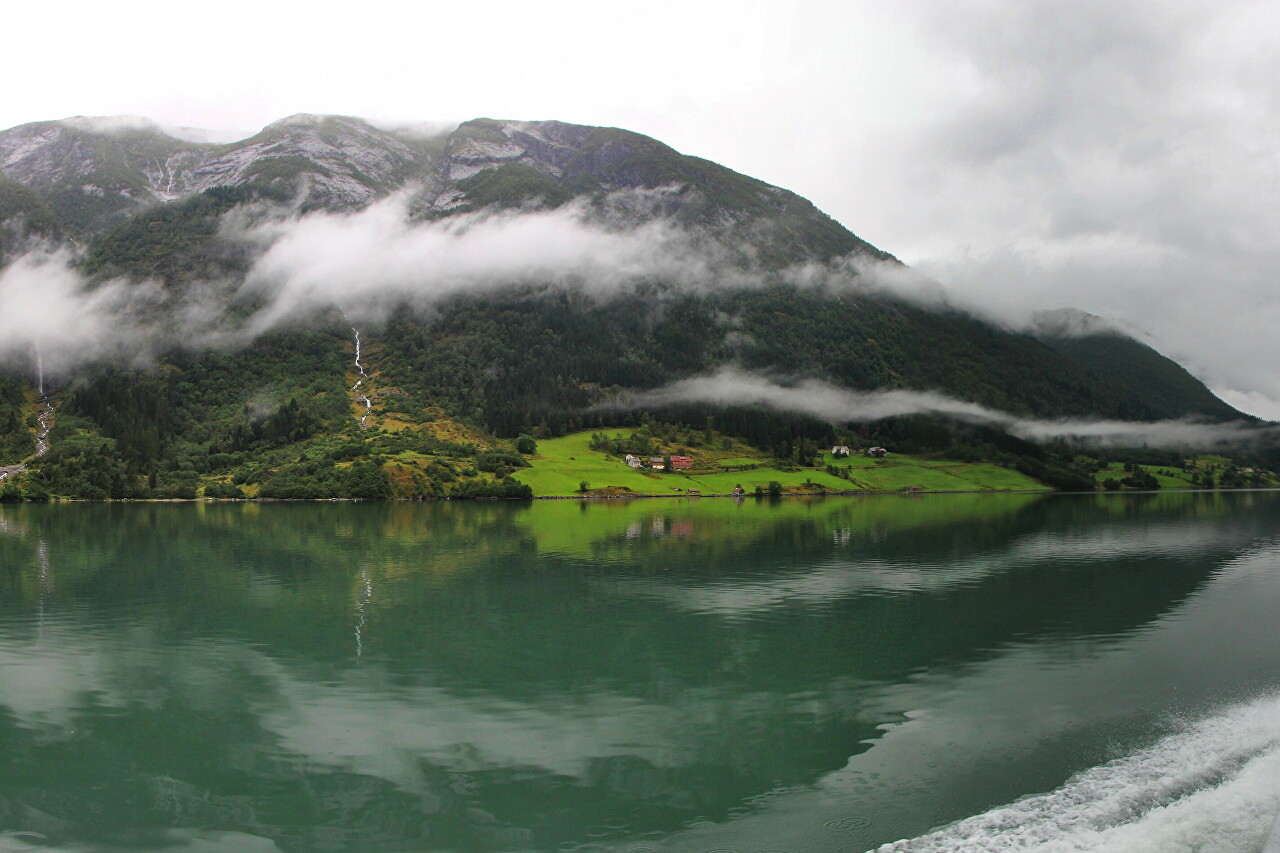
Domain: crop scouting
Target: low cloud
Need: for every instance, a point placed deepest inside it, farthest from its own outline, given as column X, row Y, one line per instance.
column 50, row 312
column 365, row 263
column 1070, row 323
column 54, row 319
column 734, row 387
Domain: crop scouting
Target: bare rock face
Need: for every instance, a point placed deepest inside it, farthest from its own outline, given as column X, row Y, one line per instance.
column 549, row 146
column 347, row 163
column 561, row 150
column 44, row 153
column 630, row 179
column 91, row 172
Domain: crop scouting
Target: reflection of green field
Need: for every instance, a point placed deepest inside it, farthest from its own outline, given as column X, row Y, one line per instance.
column 594, row 528
column 562, row 464
column 1192, row 504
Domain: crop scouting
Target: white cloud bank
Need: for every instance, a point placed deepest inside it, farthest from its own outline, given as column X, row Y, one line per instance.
column 734, row 387
column 45, row 307
column 367, row 261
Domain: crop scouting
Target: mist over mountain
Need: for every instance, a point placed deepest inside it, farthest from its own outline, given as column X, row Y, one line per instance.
column 506, row 277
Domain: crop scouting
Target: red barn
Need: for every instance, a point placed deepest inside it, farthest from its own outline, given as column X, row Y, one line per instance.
column 678, row 462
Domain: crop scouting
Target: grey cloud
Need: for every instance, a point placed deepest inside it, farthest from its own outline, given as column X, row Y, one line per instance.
column 1070, row 323
column 1110, row 156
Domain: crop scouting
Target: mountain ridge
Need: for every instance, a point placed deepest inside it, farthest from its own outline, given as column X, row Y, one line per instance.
column 95, row 179
column 519, row 356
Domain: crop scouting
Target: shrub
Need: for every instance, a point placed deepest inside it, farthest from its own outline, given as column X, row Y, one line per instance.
column 224, row 491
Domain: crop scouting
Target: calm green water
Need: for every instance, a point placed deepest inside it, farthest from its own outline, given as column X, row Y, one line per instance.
column 642, row 676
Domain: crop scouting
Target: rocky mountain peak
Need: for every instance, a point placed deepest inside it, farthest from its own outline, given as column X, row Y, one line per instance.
column 94, row 171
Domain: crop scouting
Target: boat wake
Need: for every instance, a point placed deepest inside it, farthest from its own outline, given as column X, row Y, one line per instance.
column 1213, row 786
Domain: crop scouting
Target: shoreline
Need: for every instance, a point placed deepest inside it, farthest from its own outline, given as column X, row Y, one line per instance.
column 631, row 497
column 848, row 493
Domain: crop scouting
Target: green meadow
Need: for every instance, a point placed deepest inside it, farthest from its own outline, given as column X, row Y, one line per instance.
column 1208, row 464
column 1179, row 480
column 561, row 465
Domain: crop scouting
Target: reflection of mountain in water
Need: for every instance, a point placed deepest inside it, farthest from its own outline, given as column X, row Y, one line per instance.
column 199, row 667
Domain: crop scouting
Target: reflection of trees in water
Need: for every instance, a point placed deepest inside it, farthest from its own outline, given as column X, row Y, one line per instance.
column 707, row 668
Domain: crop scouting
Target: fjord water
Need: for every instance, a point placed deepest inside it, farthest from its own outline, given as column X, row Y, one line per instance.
column 942, row 672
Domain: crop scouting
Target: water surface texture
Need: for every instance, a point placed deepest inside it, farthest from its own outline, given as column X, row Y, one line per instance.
column 939, row 672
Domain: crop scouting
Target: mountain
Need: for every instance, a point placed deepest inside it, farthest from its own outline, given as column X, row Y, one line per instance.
column 24, row 216
column 783, row 290
column 1152, row 380
column 95, row 172
column 545, row 164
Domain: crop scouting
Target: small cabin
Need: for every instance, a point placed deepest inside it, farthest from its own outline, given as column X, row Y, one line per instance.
column 877, row 452
column 657, row 463
column 841, row 450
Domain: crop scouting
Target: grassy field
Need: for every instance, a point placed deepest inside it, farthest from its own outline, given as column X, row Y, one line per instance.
column 1175, row 478
column 562, row 464
column 1179, row 480
column 935, row 475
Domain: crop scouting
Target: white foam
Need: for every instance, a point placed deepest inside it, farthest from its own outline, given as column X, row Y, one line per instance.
column 1213, row 786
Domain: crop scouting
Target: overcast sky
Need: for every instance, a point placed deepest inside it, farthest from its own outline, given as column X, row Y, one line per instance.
column 1116, row 156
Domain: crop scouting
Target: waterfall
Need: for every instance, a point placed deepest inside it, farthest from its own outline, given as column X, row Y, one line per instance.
column 45, row 409
column 363, row 399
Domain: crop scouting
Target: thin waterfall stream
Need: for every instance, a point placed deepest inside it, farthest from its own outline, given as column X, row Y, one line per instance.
column 45, row 414
column 44, row 421
column 362, row 398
